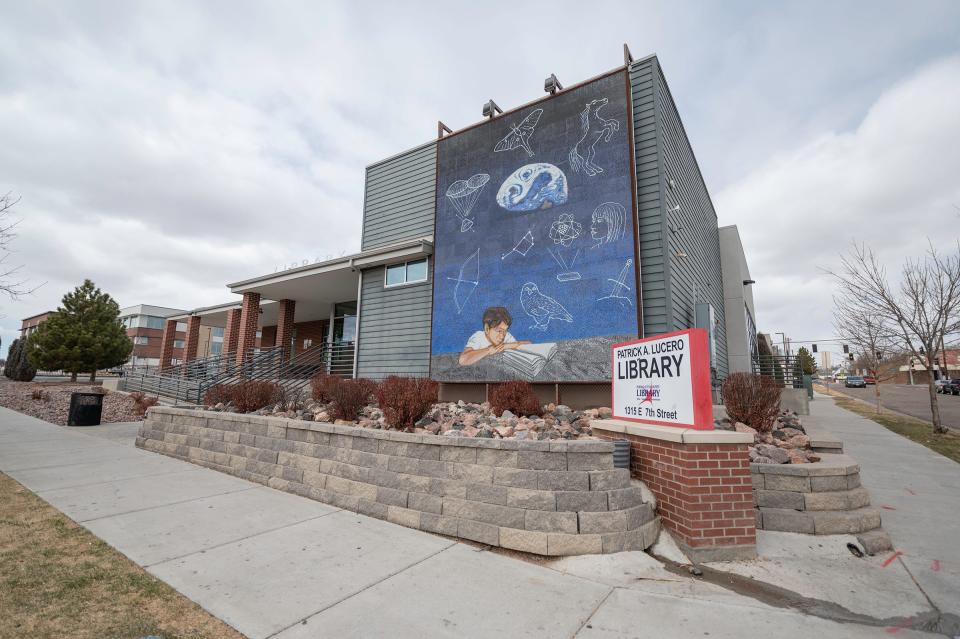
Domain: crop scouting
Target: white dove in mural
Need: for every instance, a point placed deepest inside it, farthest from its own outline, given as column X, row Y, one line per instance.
column 542, row 308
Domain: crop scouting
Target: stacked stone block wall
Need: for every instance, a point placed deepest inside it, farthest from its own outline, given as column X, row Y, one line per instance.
column 547, row 498
column 824, row 498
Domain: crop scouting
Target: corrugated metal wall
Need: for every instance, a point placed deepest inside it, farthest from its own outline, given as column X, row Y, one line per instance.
column 394, row 327
column 690, row 230
column 650, row 226
column 399, row 198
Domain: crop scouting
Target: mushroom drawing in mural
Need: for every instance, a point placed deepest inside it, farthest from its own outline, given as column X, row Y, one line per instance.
column 533, row 187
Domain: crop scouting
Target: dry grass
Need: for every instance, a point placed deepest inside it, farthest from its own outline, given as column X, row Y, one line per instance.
column 916, row 430
column 58, row 580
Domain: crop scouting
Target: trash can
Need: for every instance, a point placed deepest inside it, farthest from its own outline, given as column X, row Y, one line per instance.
column 85, row 409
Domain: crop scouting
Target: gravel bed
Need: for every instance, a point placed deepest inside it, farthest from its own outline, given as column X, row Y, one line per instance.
column 55, row 406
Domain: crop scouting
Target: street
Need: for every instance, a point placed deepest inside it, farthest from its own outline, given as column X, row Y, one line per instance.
column 910, row 400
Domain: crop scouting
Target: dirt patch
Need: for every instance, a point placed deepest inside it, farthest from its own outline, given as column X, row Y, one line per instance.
column 59, row 580
column 51, row 402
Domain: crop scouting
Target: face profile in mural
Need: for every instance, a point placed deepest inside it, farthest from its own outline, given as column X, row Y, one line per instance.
column 533, row 268
column 607, row 223
column 532, row 187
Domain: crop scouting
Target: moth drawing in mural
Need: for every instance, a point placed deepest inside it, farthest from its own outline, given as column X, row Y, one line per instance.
column 520, row 134
column 532, row 187
column 595, row 127
column 542, row 308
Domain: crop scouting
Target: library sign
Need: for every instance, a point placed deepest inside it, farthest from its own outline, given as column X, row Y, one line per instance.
column 664, row 380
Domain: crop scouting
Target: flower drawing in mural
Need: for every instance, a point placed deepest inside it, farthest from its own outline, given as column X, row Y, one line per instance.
column 607, row 223
column 542, row 308
column 463, row 194
column 594, row 127
column 519, row 136
column 532, row 187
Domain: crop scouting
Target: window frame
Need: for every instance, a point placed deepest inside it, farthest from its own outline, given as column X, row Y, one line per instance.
column 406, row 268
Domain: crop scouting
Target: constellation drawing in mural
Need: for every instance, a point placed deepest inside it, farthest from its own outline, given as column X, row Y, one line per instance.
column 522, row 247
column 542, row 308
column 595, row 127
column 463, row 194
column 607, row 223
column 520, row 134
column 563, row 232
column 467, row 281
column 619, row 289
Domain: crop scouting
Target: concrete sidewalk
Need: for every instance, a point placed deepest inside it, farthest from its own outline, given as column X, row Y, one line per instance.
column 917, row 492
column 273, row 564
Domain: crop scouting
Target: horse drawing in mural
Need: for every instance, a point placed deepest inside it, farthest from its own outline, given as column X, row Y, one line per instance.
column 594, row 127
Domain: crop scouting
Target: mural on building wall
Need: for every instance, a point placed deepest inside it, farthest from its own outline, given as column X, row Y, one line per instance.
column 534, row 251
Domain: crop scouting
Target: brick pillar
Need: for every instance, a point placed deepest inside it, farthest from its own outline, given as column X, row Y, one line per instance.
column 249, row 316
column 285, row 326
column 192, row 339
column 231, row 332
column 166, row 348
column 702, row 483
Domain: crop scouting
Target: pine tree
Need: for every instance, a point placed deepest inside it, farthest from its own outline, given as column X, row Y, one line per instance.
column 18, row 367
column 805, row 360
column 84, row 335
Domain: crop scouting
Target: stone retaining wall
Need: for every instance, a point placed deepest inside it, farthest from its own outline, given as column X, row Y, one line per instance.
column 823, row 498
column 548, row 498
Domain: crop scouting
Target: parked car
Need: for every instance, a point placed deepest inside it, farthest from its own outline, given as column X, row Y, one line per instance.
column 855, row 381
column 869, row 379
column 943, row 385
column 954, row 387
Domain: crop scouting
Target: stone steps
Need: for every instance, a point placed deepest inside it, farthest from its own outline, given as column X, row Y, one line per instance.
column 812, row 522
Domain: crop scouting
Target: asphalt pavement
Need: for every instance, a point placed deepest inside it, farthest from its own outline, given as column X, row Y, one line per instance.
column 910, row 400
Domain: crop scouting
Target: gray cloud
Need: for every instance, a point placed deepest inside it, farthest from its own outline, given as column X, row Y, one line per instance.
column 164, row 149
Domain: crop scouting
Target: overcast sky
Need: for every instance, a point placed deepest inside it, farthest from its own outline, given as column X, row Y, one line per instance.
column 165, row 149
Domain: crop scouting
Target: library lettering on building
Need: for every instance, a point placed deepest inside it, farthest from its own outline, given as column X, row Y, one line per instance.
column 521, row 247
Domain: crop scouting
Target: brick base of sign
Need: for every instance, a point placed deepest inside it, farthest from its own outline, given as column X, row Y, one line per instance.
column 702, row 482
column 542, row 497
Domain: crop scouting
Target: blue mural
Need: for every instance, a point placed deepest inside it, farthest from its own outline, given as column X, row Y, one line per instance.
column 535, row 280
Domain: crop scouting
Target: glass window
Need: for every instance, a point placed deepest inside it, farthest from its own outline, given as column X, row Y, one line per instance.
column 217, row 331
column 141, row 340
column 181, row 327
column 407, row 273
column 216, row 348
column 396, row 274
column 417, row 271
column 259, row 333
column 178, row 343
column 154, row 322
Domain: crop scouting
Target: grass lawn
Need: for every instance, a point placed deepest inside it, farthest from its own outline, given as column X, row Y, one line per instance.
column 57, row 580
column 947, row 444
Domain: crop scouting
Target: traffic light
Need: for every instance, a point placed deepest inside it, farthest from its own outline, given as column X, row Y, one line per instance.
column 879, row 356
column 846, row 349
column 814, row 348
column 850, row 357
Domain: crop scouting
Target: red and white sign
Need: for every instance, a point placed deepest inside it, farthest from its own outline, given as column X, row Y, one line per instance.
column 664, row 380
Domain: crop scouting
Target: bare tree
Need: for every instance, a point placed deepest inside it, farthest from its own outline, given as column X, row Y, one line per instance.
column 872, row 336
column 10, row 283
column 921, row 312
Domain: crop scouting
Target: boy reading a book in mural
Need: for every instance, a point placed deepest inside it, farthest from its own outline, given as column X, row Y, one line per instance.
column 494, row 338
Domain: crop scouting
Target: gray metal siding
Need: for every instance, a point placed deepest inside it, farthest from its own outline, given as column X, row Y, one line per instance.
column 394, row 330
column 654, row 282
column 399, row 198
column 691, row 230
